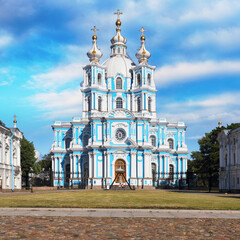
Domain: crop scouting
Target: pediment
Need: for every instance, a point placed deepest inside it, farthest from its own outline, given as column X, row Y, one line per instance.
column 120, row 113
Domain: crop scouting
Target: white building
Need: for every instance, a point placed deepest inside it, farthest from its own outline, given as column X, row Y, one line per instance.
column 119, row 128
column 10, row 163
column 229, row 156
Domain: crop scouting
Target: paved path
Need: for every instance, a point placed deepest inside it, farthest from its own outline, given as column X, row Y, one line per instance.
column 22, row 227
column 96, row 212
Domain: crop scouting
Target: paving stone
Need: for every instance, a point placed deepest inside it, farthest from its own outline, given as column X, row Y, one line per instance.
column 49, row 227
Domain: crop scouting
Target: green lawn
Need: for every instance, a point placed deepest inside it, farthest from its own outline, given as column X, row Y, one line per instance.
column 122, row 199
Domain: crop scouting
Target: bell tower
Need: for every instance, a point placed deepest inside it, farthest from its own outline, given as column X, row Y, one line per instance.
column 94, row 85
column 143, row 82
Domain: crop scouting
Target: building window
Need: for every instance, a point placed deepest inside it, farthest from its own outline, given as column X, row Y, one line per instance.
column 89, row 79
column 171, row 172
column 99, row 79
column 234, row 158
column 89, row 103
column 118, row 49
column 149, row 104
column 170, row 142
column 238, row 180
column 120, row 134
column 85, row 140
column 99, row 104
column 153, row 140
column 149, row 79
column 67, row 143
column 226, row 160
column 138, row 104
column 138, row 79
column 119, row 103
column 118, row 83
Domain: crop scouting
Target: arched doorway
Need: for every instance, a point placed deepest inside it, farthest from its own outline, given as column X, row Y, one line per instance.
column 120, row 164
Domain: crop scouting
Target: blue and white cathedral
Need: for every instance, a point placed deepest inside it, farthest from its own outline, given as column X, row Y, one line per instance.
column 119, row 128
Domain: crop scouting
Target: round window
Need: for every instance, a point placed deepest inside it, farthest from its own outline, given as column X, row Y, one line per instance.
column 120, row 134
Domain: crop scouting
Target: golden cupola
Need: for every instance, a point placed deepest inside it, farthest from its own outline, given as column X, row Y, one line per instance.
column 94, row 54
column 143, row 54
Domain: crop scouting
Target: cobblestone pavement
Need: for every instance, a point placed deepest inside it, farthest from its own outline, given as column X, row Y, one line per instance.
column 22, row 227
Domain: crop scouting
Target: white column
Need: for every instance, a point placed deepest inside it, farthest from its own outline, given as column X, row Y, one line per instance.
column 133, row 165
column 59, row 140
column 94, row 165
column 90, row 164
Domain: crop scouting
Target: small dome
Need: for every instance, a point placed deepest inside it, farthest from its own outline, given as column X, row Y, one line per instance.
column 118, row 38
column 94, row 54
column 143, row 54
column 118, row 64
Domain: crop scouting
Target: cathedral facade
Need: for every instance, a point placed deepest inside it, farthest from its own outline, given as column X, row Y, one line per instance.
column 119, row 128
column 10, row 162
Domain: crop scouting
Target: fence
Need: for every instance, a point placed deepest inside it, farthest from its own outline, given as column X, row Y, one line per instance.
column 164, row 180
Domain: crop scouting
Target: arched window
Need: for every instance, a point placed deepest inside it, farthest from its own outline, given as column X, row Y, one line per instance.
column 118, row 83
column 234, row 158
column 119, row 103
column 149, row 79
column 171, row 172
column 85, row 140
column 170, row 142
column 89, row 103
column 99, row 79
column 99, row 104
column 153, row 140
column 138, row 79
column 138, row 104
column 149, row 104
column 89, row 79
column 118, row 49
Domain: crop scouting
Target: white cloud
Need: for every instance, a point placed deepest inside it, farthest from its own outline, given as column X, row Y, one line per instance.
column 226, row 38
column 5, row 40
column 64, row 104
column 188, row 72
column 57, row 77
column 225, row 105
column 211, row 11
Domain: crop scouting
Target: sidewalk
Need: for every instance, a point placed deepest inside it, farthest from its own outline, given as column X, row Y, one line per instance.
column 126, row 213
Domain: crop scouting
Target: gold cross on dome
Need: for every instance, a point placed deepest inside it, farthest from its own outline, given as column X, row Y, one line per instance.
column 15, row 116
column 118, row 13
column 94, row 30
column 142, row 30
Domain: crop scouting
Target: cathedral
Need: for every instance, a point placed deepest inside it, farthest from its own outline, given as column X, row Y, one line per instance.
column 119, row 130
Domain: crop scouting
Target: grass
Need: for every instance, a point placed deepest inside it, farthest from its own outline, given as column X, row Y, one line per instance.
column 122, row 199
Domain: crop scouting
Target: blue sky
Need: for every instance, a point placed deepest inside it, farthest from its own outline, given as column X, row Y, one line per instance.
column 195, row 46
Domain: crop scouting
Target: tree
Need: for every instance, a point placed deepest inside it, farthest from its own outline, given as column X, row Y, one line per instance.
column 27, row 159
column 2, row 124
column 205, row 162
column 46, row 162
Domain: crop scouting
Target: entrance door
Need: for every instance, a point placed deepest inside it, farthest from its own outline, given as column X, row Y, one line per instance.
column 0, row 184
column 120, row 164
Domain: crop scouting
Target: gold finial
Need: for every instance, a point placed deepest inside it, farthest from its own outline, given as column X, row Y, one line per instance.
column 15, row 121
column 219, row 122
column 142, row 30
column 94, row 37
column 118, row 22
